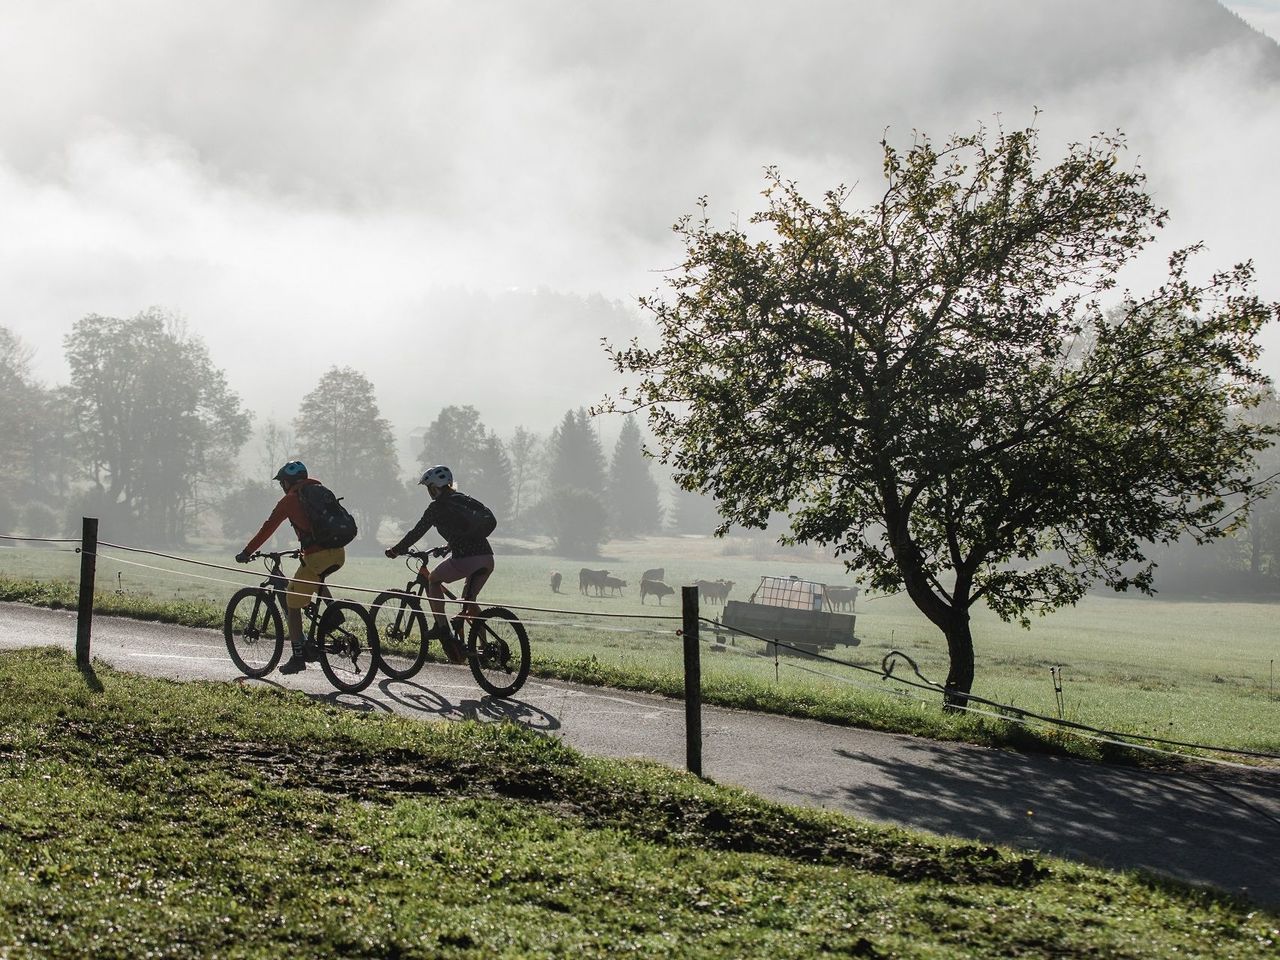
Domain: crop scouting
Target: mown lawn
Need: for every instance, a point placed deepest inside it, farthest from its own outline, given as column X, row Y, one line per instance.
column 190, row 820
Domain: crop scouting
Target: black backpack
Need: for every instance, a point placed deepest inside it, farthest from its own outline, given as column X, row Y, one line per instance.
column 331, row 524
column 479, row 519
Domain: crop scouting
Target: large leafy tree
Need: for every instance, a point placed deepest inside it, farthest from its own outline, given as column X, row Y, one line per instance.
column 634, row 508
column 459, row 439
column 348, row 445
column 158, row 425
column 932, row 383
column 36, row 425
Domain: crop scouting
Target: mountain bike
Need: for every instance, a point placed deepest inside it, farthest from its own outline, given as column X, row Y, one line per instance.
column 497, row 644
column 341, row 632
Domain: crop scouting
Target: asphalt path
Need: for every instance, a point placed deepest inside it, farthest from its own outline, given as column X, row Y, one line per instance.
column 1215, row 826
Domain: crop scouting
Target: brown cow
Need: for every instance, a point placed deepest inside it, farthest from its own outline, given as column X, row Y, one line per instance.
column 714, row 591
column 592, row 578
column 655, row 588
column 842, row 598
column 555, row 581
column 654, row 573
column 612, row 584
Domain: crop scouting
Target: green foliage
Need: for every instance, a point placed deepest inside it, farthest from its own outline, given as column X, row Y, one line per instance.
column 932, row 385
column 459, row 439
column 35, row 429
column 577, row 519
column 348, row 446
column 576, row 458
column 157, row 421
column 40, row 520
column 633, row 493
column 210, row 819
column 244, row 508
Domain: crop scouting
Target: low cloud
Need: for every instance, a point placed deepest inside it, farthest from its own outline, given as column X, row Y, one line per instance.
column 317, row 183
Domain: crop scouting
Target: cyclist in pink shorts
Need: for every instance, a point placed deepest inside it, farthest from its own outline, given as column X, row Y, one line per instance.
column 464, row 523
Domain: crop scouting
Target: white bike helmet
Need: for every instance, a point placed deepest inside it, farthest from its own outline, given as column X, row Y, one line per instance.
column 437, row 477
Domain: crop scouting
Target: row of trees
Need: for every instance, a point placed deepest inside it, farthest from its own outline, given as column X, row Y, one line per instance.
column 148, row 436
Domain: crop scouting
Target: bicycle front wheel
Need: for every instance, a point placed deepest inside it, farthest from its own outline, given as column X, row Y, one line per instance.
column 498, row 651
column 348, row 646
column 401, row 628
column 254, row 631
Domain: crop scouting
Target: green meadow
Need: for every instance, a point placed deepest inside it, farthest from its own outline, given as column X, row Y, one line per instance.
column 142, row 817
column 1190, row 670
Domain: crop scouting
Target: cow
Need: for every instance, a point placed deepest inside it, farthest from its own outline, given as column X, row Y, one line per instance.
column 714, row 591
column 592, row 578
column 655, row 573
column 655, row 588
column 555, row 581
column 842, row 598
column 613, row 584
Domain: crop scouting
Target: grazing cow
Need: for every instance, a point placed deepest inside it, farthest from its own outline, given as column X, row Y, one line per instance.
column 655, row 588
column 714, row 591
column 656, row 573
column 722, row 591
column 842, row 598
column 612, row 584
column 555, row 581
column 592, row 578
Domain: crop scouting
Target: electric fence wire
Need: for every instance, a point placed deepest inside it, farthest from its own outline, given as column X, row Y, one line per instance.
column 603, row 628
column 40, row 539
column 720, row 649
column 374, row 590
column 1008, row 711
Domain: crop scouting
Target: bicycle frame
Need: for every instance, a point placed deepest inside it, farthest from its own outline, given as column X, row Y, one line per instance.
column 467, row 606
column 277, row 583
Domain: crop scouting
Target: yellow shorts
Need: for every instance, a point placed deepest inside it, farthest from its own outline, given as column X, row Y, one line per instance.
column 315, row 566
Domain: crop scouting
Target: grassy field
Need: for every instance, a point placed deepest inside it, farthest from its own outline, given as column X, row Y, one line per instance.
column 1185, row 670
column 149, row 818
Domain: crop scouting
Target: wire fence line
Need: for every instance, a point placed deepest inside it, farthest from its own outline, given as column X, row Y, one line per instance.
column 962, row 701
column 1007, row 711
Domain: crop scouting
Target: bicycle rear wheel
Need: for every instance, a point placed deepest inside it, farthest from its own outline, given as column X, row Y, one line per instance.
column 254, row 631
column 498, row 651
column 348, row 646
column 401, row 627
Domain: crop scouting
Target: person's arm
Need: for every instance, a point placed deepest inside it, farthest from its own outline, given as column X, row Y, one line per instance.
column 277, row 517
column 413, row 536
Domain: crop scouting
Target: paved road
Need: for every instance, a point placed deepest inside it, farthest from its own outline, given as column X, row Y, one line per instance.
column 1220, row 827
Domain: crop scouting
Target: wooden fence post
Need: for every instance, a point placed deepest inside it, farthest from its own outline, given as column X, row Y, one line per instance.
column 692, row 682
column 88, row 569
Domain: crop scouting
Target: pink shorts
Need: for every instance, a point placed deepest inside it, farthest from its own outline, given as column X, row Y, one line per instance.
column 476, row 570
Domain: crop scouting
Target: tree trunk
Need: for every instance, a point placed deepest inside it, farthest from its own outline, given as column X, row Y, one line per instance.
column 960, row 673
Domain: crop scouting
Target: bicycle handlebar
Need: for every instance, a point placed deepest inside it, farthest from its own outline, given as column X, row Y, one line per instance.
column 267, row 555
column 428, row 554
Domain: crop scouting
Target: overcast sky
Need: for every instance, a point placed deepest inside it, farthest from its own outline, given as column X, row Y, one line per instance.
column 311, row 182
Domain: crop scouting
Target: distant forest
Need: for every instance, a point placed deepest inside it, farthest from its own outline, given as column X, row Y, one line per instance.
column 148, row 437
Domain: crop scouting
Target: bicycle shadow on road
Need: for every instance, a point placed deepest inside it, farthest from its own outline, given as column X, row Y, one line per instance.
column 415, row 697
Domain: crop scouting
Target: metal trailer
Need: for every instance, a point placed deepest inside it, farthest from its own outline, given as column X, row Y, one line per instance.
column 792, row 611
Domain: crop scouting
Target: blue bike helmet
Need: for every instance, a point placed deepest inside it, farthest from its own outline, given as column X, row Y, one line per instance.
column 293, row 470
